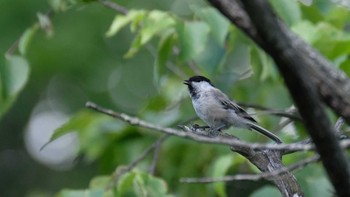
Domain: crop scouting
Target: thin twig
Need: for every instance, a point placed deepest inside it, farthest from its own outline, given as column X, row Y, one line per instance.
column 254, row 177
column 114, row 6
column 194, row 67
column 199, row 138
column 156, row 151
column 290, row 113
column 338, row 124
column 283, row 124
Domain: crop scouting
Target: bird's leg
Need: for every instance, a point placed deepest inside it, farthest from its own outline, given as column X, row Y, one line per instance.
column 196, row 126
column 199, row 130
column 215, row 131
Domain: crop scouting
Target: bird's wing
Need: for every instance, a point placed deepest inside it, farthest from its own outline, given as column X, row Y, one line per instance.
column 228, row 104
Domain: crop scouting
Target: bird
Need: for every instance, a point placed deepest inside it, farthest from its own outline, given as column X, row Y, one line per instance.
column 218, row 111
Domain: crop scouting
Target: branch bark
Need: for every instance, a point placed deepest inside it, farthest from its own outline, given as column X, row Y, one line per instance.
column 299, row 64
column 332, row 84
column 254, row 177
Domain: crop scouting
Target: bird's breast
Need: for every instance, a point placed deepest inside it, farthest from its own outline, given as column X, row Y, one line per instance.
column 210, row 111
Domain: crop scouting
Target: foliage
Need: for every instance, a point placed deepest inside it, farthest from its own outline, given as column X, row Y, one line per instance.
column 156, row 49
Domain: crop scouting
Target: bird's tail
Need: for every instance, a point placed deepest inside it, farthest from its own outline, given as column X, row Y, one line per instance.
column 266, row 133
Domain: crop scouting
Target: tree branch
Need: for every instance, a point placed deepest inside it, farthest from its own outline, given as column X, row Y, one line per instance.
column 254, row 177
column 200, row 138
column 281, row 44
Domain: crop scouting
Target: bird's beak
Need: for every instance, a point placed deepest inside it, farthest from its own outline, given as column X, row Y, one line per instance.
column 186, row 82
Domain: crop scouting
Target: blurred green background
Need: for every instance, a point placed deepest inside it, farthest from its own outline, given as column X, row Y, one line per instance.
column 73, row 62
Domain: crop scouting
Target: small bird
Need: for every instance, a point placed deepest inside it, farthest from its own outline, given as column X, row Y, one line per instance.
column 218, row 111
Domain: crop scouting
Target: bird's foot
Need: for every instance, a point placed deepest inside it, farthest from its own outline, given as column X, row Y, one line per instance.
column 214, row 132
column 196, row 126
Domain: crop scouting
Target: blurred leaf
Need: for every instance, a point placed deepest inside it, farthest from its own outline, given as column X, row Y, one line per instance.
column 147, row 185
column 62, row 5
column 72, row 193
column 84, row 193
column 220, row 168
column 330, row 41
column 193, row 37
column 13, row 76
column 267, row 191
column 236, row 64
column 78, row 122
column 45, row 23
column 219, row 25
column 121, row 21
column 288, row 10
column 306, row 30
column 99, row 182
column 338, row 17
column 164, row 50
column 306, row 2
column 26, row 38
column 311, row 13
column 94, row 131
column 125, row 185
column 153, row 23
column 211, row 57
column 345, row 66
column 263, row 65
column 314, row 181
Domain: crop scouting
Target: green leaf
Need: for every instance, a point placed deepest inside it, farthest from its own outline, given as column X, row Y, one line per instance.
column 153, row 23
column 84, row 193
column 193, row 38
column 121, row 21
column 78, row 122
column 138, row 183
column 306, row 30
column 26, row 38
column 45, row 24
column 219, row 25
column 221, row 165
column 263, row 65
column 94, row 130
column 236, row 64
column 72, row 193
column 125, row 185
column 331, row 41
column 164, row 50
column 13, row 76
column 139, row 186
column 288, row 10
column 267, row 191
column 338, row 17
column 62, row 5
column 99, row 182
column 148, row 185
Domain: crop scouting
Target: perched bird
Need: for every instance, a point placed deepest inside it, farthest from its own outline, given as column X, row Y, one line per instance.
column 218, row 111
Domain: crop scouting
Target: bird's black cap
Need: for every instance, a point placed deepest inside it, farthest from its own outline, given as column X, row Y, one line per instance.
column 197, row 79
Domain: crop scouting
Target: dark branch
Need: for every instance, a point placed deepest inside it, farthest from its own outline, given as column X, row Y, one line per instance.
column 295, row 69
column 254, row 177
